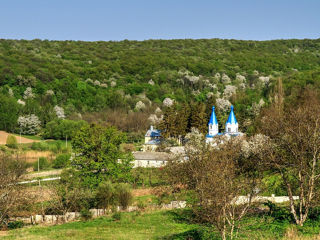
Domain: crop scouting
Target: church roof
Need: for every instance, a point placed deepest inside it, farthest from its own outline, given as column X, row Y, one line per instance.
column 153, row 132
column 213, row 118
column 232, row 118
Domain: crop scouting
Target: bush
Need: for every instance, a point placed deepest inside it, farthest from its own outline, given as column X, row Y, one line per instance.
column 105, row 195
column 141, row 205
column 116, row 216
column 12, row 142
column 15, row 225
column 61, row 161
column 43, row 164
column 39, row 146
column 124, row 195
column 85, row 214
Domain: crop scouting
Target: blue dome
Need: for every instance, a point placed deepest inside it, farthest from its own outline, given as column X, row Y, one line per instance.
column 232, row 118
column 213, row 119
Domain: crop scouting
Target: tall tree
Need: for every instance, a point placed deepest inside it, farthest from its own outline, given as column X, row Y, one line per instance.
column 216, row 177
column 295, row 150
column 97, row 155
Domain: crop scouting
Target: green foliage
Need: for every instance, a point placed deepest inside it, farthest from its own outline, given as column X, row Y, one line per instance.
column 12, row 142
column 99, row 75
column 105, row 195
column 273, row 184
column 60, row 129
column 98, row 156
column 61, row 161
column 41, row 164
column 39, row 146
column 15, row 225
column 279, row 213
column 9, row 109
column 124, row 195
column 116, row 216
column 85, row 214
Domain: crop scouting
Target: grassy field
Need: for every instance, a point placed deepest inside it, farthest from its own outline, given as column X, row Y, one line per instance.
column 163, row 225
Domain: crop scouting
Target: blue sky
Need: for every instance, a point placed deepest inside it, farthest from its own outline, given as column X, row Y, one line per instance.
column 94, row 20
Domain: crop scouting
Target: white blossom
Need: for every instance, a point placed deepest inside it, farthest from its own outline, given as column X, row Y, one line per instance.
column 96, row 83
column 254, row 145
column 167, row 102
column 59, row 112
column 10, row 92
column 104, row 85
column 223, row 104
column 210, row 94
column 113, row 84
column 242, row 86
column 90, row 62
column 154, row 119
column 240, row 78
column 140, row 105
column 28, row 93
column 50, row 92
column 217, row 76
column 256, row 107
column 158, row 110
column 229, row 91
column 225, row 79
column 21, row 102
column 29, row 124
column 192, row 79
column 151, row 82
column 264, row 80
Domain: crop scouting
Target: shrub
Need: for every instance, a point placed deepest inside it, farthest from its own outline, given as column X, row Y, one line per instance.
column 61, row 161
column 116, row 216
column 43, row 164
column 141, row 205
column 12, row 142
column 39, row 146
column 124, row 195
column 85, row 214
column 15, row 225
column 105, row 195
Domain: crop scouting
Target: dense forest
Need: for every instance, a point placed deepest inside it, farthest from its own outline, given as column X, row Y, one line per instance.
column 131, row 84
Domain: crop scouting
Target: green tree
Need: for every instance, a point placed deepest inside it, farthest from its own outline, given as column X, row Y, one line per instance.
column 12, row 142
column 9, row 109
column 98, row 156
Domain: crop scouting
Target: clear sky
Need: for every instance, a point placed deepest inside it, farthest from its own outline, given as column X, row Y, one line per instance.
column 93, row 20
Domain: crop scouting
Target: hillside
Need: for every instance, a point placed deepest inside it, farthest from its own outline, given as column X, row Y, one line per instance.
column 86, row 77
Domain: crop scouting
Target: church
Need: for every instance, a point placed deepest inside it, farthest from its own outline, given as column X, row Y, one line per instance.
column 231, row 129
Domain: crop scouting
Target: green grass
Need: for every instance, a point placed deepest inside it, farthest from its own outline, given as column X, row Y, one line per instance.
column 162, row 225
column 32, row 137
column 131, row 226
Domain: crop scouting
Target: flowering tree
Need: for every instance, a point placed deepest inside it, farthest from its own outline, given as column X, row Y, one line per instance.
column 168, row 102
column 59, row 112
column 29, row 124
column 28, row 93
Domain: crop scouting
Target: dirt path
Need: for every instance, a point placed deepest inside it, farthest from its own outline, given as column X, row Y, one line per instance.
column 43, row 174
column 4, row 135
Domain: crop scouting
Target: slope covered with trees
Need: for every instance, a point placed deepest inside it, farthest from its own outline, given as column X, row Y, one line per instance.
column 93, row 80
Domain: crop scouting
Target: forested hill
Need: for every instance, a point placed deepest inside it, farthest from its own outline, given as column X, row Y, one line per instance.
column 83, row 77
